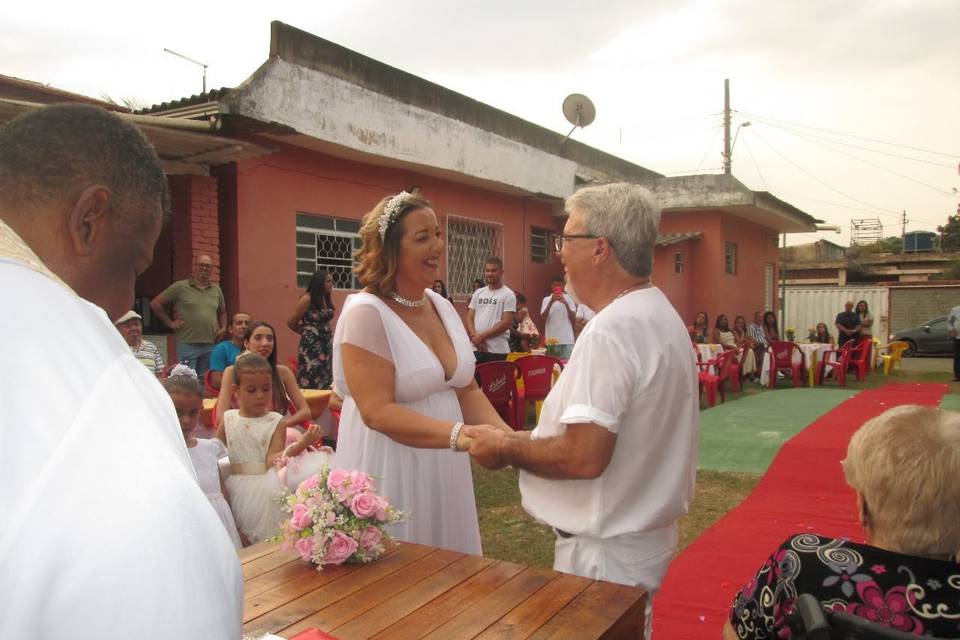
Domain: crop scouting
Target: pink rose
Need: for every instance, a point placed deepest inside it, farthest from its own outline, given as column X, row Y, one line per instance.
column 304, row 547
column 310, row 483
column 364, row 505
column 336, row 482
column 359, row 482
column 370, row 539
column 300, row 518
column 382, row 504
column 340, row 548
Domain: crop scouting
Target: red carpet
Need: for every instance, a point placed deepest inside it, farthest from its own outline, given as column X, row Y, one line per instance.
column 803, row 490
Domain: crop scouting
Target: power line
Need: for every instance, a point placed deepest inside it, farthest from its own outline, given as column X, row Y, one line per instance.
column 716, row 133
column 851, row 135
column 824, row 183
column 872, row 164
column 755, row 165
column 845, row 206
column 855, row 146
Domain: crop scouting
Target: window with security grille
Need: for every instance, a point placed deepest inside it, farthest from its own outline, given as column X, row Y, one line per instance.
column 678, row 261
column 324, row 242
column 540, row 245
column 469, row 244
column 730, row 258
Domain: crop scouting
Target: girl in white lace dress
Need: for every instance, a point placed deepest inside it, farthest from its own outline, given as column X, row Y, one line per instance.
column 404, row 365
column 187, row 396
column 254, row 436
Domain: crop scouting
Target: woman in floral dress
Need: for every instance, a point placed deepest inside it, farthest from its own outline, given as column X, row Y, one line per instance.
column 311, row 319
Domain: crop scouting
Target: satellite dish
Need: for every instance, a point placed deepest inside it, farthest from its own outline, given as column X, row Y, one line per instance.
column 579, row 111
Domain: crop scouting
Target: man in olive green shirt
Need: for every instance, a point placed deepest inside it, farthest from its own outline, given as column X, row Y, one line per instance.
column 199, row 315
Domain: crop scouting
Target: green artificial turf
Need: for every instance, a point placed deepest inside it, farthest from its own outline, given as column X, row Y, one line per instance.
column 746, row 434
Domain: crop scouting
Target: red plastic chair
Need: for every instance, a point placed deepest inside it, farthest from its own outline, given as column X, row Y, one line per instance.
column 537, row 375
column 782, row 359
column 212, row 391
column 713, row 381
column 736, row 368
column 498, row 380
column 860, row 356
column 837, row 361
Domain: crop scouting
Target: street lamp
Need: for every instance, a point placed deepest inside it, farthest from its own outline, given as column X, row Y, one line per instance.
column 739, row 126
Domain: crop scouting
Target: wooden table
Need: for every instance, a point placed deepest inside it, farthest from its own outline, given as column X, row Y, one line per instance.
column 415, row 591
column 317, row 400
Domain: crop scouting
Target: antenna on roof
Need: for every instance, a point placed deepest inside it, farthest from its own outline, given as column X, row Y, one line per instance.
column 579, row 111
column 180, row 55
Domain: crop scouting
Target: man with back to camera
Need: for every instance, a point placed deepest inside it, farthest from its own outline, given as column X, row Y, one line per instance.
column 612, row 462
column 490, row 314
column 104, row 531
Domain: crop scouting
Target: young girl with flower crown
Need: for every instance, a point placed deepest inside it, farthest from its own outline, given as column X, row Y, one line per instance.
column 187, row 396
column 254, row 436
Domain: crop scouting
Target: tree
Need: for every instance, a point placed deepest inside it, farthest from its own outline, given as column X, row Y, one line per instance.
column 950, row 233
column 893, row 244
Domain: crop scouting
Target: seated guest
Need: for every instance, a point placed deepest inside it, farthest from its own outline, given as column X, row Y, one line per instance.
column 226, row 352
column 700, row 331
column 771, row 332
column 903, row 465
column 722, row 334
column 743, row 338
column 822, row 335
column 131, row 328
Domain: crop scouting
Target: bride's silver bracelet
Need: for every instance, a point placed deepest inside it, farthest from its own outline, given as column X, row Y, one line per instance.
column 454, row 434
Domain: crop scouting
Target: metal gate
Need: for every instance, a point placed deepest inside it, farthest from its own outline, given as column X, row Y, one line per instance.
column 805, row 307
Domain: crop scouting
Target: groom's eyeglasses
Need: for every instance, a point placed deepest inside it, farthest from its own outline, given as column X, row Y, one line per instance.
column 558, row 240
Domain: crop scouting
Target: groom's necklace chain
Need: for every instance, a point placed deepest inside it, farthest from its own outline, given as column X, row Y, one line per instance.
column 631, row 288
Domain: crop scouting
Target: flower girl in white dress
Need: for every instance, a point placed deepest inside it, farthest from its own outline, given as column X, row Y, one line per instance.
column 187, row 396
column 255, row 443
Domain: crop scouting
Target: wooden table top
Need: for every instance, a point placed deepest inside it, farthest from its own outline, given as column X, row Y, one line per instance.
column 415, row 591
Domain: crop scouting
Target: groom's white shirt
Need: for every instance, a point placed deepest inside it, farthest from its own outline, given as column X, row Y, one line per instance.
column 104, row 532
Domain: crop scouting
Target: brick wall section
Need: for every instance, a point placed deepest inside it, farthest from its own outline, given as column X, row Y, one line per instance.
column 195, row 224
column 911, row 306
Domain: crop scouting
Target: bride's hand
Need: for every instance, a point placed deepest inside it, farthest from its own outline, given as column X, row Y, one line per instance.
column 463, row 441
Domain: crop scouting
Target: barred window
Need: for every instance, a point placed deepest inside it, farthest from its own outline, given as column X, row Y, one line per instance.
column 540, row 245
column 730, row 258
column 469, row 244
column 678, row 261
column 324, row 242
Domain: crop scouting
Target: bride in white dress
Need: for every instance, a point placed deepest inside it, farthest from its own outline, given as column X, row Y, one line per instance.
column 404, row 365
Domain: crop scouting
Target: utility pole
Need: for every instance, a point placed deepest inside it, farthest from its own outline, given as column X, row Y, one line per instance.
column 726, row 126
column 903, row 232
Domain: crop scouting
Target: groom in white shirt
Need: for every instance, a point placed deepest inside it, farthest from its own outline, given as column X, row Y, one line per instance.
column 104, row 532
column 612, row 462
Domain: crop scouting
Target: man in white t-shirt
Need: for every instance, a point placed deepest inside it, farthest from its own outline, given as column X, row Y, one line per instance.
column 560, row 311
column 490, row 314
column 104, row 531
column 612, row 463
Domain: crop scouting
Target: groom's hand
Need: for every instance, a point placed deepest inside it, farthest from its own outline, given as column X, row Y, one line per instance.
column 486, row 446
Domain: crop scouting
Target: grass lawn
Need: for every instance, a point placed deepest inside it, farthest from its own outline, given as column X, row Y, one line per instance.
column 508, row 533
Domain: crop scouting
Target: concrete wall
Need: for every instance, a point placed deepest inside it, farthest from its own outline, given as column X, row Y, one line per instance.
column 912, row 306
column 708, row 287
column 271, row 190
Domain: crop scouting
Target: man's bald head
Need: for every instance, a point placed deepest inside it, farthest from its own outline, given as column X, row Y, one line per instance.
column 87, row 192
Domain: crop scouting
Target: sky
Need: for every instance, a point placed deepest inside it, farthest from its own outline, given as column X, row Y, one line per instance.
column 825, row 85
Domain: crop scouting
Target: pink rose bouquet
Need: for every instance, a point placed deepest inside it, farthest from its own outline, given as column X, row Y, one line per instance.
column 335, row 516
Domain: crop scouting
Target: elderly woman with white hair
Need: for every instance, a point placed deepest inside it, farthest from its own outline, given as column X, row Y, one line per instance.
column 904, row 466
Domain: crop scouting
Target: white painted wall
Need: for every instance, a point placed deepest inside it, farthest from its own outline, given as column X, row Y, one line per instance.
column 804, row 308
column 334, row 110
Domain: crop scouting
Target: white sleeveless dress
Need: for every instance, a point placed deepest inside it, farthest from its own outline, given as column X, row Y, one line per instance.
column 253, row 486
column 433, row 485
column 204, row 456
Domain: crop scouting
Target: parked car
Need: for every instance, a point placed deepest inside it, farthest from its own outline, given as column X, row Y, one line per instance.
column 930, row 338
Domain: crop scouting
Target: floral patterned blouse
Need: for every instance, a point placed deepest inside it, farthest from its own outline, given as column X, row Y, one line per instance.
column 909, row 593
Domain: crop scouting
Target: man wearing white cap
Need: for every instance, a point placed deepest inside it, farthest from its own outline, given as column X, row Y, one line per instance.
column 144, row 351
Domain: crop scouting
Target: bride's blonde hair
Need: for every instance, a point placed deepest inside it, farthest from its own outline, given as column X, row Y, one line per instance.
column 377, row 258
